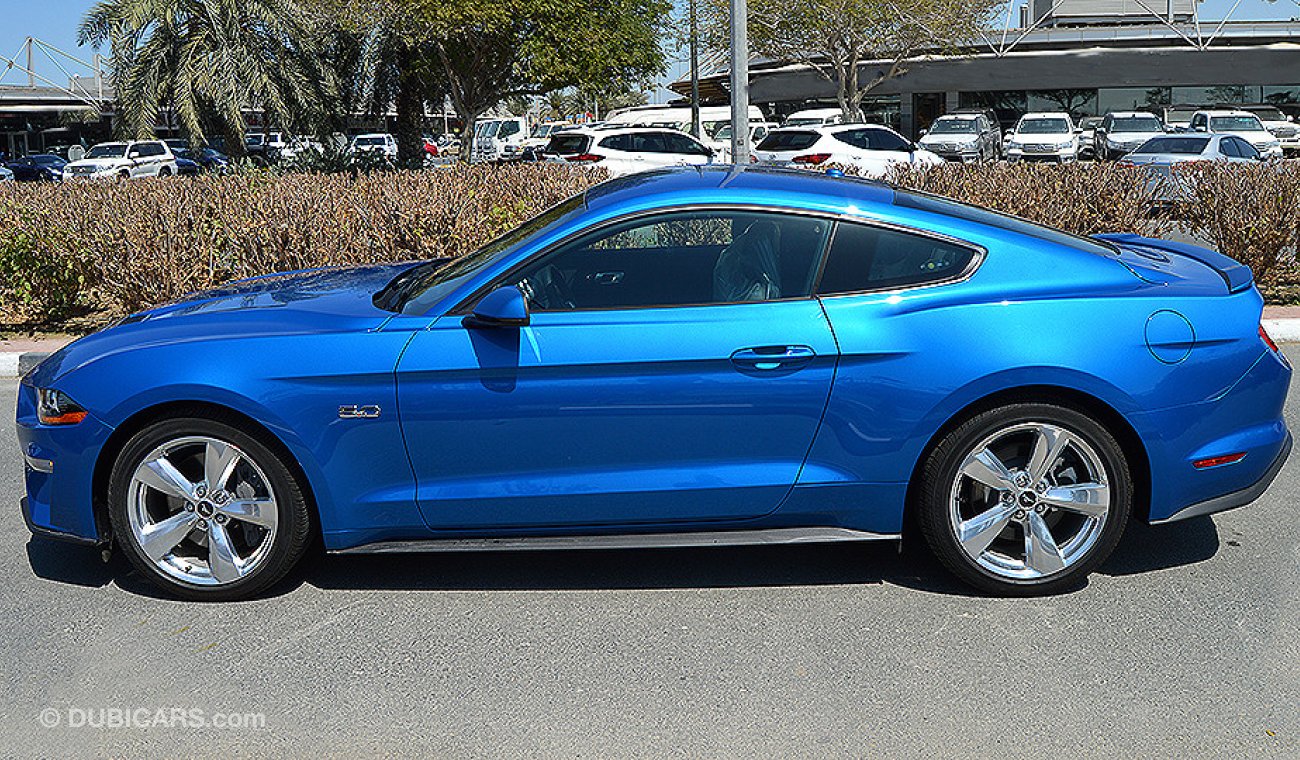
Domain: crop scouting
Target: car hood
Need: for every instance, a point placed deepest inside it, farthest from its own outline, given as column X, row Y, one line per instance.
column 310, row 301
column 1131, row 137
column 954, row 137
column 99, row 163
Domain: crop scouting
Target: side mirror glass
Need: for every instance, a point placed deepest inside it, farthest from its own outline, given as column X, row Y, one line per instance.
column 503, row 307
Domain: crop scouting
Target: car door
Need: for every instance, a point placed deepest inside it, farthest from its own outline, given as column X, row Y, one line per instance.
column 674, row 369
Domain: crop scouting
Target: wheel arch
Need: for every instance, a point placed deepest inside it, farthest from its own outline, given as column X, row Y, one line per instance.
column 1135, row 451
column 208, row 410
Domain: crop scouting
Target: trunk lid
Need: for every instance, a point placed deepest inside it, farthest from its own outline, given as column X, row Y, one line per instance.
column 1168, row 261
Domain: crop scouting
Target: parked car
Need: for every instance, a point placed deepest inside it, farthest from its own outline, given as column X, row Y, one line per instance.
column 378, row 144
column 703, row 356
column 204, row 160
column 124, row 160
column 1243, row 124
column 266, row 146
column 678, row 118
column 625, row 150
column 720, row 142
column 1086, row 130
column 1047, row 136
column 301, row 147
column 1122, row 132
column 1280, row 125
column 1161, row 157
column 5, row 174
column 962, row 137
column 499, row 139
column 40, row 167
column 872, row 148
column 991, row 116
column 814, row 117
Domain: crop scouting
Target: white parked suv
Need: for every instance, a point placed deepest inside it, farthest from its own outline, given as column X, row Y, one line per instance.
column 1280, row 125
column 1047, row 136
column 1123, row 132
column 124, row 160
column 376, row 143
column 872, row 148
column 627, row 150
column 1243, row 124
column 814, row 117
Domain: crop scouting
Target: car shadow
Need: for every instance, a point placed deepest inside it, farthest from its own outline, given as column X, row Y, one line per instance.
column 1144, row 548
column 1147, row 548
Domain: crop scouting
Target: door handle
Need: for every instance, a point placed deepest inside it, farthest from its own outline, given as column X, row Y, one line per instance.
column 773, row 357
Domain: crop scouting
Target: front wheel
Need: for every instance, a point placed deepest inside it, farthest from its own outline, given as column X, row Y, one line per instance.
column 205, row 510
column 1026, row 499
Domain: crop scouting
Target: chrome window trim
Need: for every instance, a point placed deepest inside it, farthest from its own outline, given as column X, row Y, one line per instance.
column 979, row 253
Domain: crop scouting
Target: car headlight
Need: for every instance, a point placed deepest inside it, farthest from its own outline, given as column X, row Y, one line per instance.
column 1066, row 145
column 55, row 408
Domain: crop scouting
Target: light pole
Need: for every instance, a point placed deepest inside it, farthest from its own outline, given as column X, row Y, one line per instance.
column 739, row 83
column 695, row 71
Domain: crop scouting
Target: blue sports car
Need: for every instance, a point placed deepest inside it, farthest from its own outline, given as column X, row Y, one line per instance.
column 685, row 357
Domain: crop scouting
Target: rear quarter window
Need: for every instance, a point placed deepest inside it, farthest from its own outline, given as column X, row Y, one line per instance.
column 864, row 258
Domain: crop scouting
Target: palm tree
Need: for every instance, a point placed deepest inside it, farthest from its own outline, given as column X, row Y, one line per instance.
column 209, row 60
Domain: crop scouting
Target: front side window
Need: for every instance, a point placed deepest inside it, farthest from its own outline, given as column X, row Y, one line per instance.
column 1245, row 149
column 864, row 258
column 686, row 258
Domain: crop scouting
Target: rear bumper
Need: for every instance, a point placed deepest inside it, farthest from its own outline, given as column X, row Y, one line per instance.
column 1236, row 498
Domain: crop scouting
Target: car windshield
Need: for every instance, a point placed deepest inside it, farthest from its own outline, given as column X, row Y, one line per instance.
column 1235, row 124
column 1043, row 127
column 488, row 128
column 1268, row 113
column 417, row 289
column 45, row 158
column 953, row 127
column 542, row 130
column 368, row 141
column 1090, row 123
column 107, row 150
column 254, row 139
column 1136, row 124
column 804, row 122
column 1181, row 146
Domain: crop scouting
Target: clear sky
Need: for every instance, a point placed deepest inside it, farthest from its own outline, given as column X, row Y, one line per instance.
column 55, row 22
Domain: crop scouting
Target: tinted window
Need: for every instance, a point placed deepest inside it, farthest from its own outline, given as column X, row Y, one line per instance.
column 872, row 139
column 616, row 142
column 1236, row 124
column 788, row 140
column 509, row 128
column 1184, row 146
column 870, row 258
column 1245, row 149
column 1228, row 147
column 568, row 144
column 683, row 145
column 678, row 259
column 1043, row 127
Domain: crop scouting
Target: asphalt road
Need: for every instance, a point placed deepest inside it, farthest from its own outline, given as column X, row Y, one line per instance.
column 1186, row 644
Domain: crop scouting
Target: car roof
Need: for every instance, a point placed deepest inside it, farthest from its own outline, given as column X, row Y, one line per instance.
column 621, row 130
column 962, row 116
column 725, row 184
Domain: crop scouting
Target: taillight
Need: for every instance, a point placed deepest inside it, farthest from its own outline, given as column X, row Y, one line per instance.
column 1263, row 335
column 588, row 158
column 1204, row 464
column 753, row 159
column 811, row 158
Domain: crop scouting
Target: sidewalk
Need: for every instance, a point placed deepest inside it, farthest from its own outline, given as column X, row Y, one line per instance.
column 21, row 354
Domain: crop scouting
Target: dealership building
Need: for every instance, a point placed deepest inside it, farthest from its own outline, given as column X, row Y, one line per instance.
column 1086, row 57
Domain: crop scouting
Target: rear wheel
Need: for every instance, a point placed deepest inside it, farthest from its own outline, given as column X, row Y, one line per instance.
column 1026, row 499
column 205, row 510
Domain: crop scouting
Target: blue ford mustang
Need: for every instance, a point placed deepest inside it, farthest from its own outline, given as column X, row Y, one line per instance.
column 694, row 356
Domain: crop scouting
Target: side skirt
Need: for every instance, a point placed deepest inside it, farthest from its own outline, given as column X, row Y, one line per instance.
column 625, row 541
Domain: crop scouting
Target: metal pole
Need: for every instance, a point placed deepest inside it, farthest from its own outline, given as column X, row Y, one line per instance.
column 739, row 83
column 695, row 71
column 31, row 64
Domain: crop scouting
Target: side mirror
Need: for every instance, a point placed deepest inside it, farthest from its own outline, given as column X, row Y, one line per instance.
column 503, row 307
column 923, row 132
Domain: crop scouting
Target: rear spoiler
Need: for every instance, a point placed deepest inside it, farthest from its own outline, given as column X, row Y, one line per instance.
column 1236, row 274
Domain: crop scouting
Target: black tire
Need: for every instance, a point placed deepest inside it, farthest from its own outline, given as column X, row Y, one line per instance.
column 164, row 172
column 940, row 473
column 288, row 543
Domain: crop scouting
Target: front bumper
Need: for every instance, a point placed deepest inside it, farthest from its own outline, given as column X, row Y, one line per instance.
column 52, row 533
column 1060, row 157
column 1236, row 498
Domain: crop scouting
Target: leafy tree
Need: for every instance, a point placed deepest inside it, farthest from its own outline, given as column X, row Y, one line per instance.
column 208, row 60
column 837, row 38
column 490, row 50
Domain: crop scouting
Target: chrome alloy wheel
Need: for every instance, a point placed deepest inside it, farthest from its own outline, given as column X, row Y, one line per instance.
column 202, row 511
column 1029, row 501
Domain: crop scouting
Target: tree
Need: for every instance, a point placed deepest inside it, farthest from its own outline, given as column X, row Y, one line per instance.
column 1070, row 100
column 208, row 60
column 490, row 50
column 837, row 38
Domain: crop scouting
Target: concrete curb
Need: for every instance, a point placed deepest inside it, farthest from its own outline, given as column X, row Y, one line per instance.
column 17, row 363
